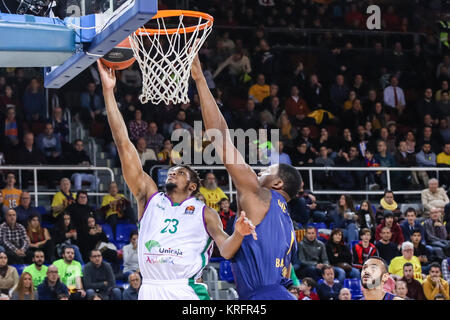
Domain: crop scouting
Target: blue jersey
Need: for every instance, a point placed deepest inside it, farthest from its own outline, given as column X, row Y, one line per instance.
column 260, row 267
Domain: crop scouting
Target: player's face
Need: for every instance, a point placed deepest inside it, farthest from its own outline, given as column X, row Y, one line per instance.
column 267, row 176
column 178, row 178
column 372, row 274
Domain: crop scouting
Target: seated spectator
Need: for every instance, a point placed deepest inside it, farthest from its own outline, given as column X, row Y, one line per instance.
column 130, row 255
column 227, row 215
column 98, row 277
column 60, row 126
column 434, row 197
column 345, row 294
column 366, row 217
column 277, row 154
column 65, row 234
column 446, row 269
column 80, row 211
column 238, row 64
column 132, row 292
column 91, row 105
column 394, row 98
column 426, row 158
column 394, row 227
column 436, row 234
column 154, row 139
column 385, row 247
column 211, row 191
column 434, row 284
column 396, row 264
column 50, row 145
column 52, row 287
column 70, row 272
column 167, row 155
column 374, row 177
column 79, row 157
column 411, row 224
column 312, row 256
column 429, row 145
column 12, row 132
column 13, row 237
column 28, row 154
column 414, row 287
column 40, row 238
column 345, row 218
column 259, row 90
column 328, row 290
column 115, row 206
column 37, row 270
column 340, row 256
column 25, row 289
column 146, row 155
column 179, row 123
column 8, row 100
column 287, row 131
column 137, row 127
column 9, row 278
column 443, row 161
column 306, row 290
column 303, row 156
column 248, row 118
column 385, row 159
column 297, row 108
column 63, row 198
column 401, row 290
column 338, row 94
column 388, row 203
column 25, row 209
column 11, row 195
column 34, row 105
column 424, row 253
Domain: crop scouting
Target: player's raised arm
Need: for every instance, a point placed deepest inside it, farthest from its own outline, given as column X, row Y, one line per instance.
column 243, row 176
column 140, row 183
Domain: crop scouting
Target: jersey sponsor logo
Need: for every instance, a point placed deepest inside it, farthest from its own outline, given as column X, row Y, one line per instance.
column 189, row 210
column 151, row 244
column 160, row 207
column 162, row 260
column 170, row 251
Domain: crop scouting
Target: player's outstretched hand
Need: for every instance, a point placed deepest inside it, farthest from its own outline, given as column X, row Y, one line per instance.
column 196, row 69
column 245, row 227
column 107, row 75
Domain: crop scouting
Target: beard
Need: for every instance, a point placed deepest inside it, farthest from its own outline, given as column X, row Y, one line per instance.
column 211, row 185
column 371, row 283
column 170, row 187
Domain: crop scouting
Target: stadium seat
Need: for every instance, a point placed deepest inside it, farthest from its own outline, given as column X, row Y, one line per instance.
column 318, row 225
column 225, row 272
column 19, row 268
column 354, row 242
column 321, row 281
column 108, row 231
column 46, row 224
column 216, row 259
column 123, row 232
column 354, row 285
column 42, row 211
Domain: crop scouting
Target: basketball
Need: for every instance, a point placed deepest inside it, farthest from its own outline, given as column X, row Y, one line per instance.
column 119, row 58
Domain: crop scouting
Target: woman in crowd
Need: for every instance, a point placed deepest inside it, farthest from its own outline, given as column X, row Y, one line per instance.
column 345, row 218
column 9, row 278
column 130, row 256
column 137, row 127
column 65, row 233
column 366, row 217
column 25, row 289
column 40, row 237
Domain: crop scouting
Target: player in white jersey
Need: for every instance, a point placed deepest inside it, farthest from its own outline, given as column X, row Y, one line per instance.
column 176, row 230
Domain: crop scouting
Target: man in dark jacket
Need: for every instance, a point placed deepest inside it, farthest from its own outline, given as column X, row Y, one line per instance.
column 52, row 287
column 79, row 157
column 132, row 292
column 329, row 289
column 98, row 277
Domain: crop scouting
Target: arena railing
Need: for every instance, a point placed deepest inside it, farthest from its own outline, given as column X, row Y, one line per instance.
column 231, row 192
column 35, row 170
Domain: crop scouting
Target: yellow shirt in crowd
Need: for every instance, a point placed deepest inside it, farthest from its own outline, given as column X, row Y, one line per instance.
column 443, row 158
column 58, row 199
column 107, row 200
column 11, row 197
column 396, row 267
column 213, row 197
column 259, row 92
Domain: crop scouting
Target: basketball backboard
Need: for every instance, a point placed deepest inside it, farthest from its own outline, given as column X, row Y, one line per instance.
column 71, row 36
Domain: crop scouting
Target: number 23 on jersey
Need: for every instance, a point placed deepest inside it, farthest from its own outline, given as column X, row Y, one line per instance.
column 170, row 225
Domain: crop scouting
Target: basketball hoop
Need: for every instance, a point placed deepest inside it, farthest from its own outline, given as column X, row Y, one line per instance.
column 164, row 54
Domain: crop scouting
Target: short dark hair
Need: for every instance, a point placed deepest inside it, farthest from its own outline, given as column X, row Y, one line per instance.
column 309, row 281
column 81, row 192
column 38, row 250
column 416, row 231
column 387, row 191
column 193, row 176
column 310, row 227
column 411, row 209
column 364, row 231
column 92, row 251
column 326, row 267
column 68, row 246
column 408, row 264
column 292, row 180
column 133, row 233
column 435, row 265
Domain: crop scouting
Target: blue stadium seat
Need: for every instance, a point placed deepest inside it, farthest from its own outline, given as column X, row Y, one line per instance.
column 216, row 259
column 354, row 242
column 331, row 225
column 42, row 211
column 318, row 225
column 19, row 268
column 46, row 224
column 321, row 281
column 225, row 272
column 354, row 285
column 108, row 231
column 123, row 232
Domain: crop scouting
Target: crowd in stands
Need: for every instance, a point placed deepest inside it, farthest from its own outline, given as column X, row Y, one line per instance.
column 387, row 108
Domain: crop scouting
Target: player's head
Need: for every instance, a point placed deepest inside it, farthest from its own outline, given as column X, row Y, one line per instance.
column 374, row 273
column 281, row 177
column 182, row 178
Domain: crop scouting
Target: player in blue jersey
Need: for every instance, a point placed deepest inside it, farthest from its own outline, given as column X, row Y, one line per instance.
column 261, row 267
column 374, row 274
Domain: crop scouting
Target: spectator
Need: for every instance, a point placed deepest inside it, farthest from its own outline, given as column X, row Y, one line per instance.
column 345, row 218
column 277, row 155
column 297, row 108
column 12, row 132
column 211, row 191
column 414, row 287
column 388, row 203
column 306, row 290
column 115, row 206
column 179, row 123
column 28, row 154
column 98, row 277
column 227, row 216
column 421, row 251
column 259, row 90
column 385, row 247
column 384, row 158
column 443, row 161
column 436, row 234
column 52, row 287
column 434, row 284
column 34, row 105
column 79, row 157
column 446, row 269
column 312, row 256
column 70, row 272
column 154, row 139
column 13, row 237
column 394, row 98
column 345, row 294
column 396, row 264
column 130, row 255
column 340, row 256
column 238, row 65
column 50, row 145
column 303, row 156
column 65, row 234
column 401, row 289
column 25, row 209
column 394, row 227
column 146, row 155
column 60, row 126
column 63, row 198
column 338, row 94
column 435, row 146
column 434, row 197
column 9, row 278
column 39, row 237
column 37, row 270
column 91, row 104
column 366, row 217
column 25, row 289
column 443, row 105
column 11, row 195
column 80, row 211
column 287, row 131
column 328, row 289
column 132, row 292
column 426, row 105
column 167, row 155
column 411, row 224
column 8, row 100
column 249, row 118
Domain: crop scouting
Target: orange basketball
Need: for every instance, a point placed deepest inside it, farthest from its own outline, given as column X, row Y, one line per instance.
column 119, row 58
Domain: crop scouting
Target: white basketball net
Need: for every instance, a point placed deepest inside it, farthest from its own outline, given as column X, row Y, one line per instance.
column 165, row 61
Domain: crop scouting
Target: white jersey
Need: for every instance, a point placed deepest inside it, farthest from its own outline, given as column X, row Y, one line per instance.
column 173, row 240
